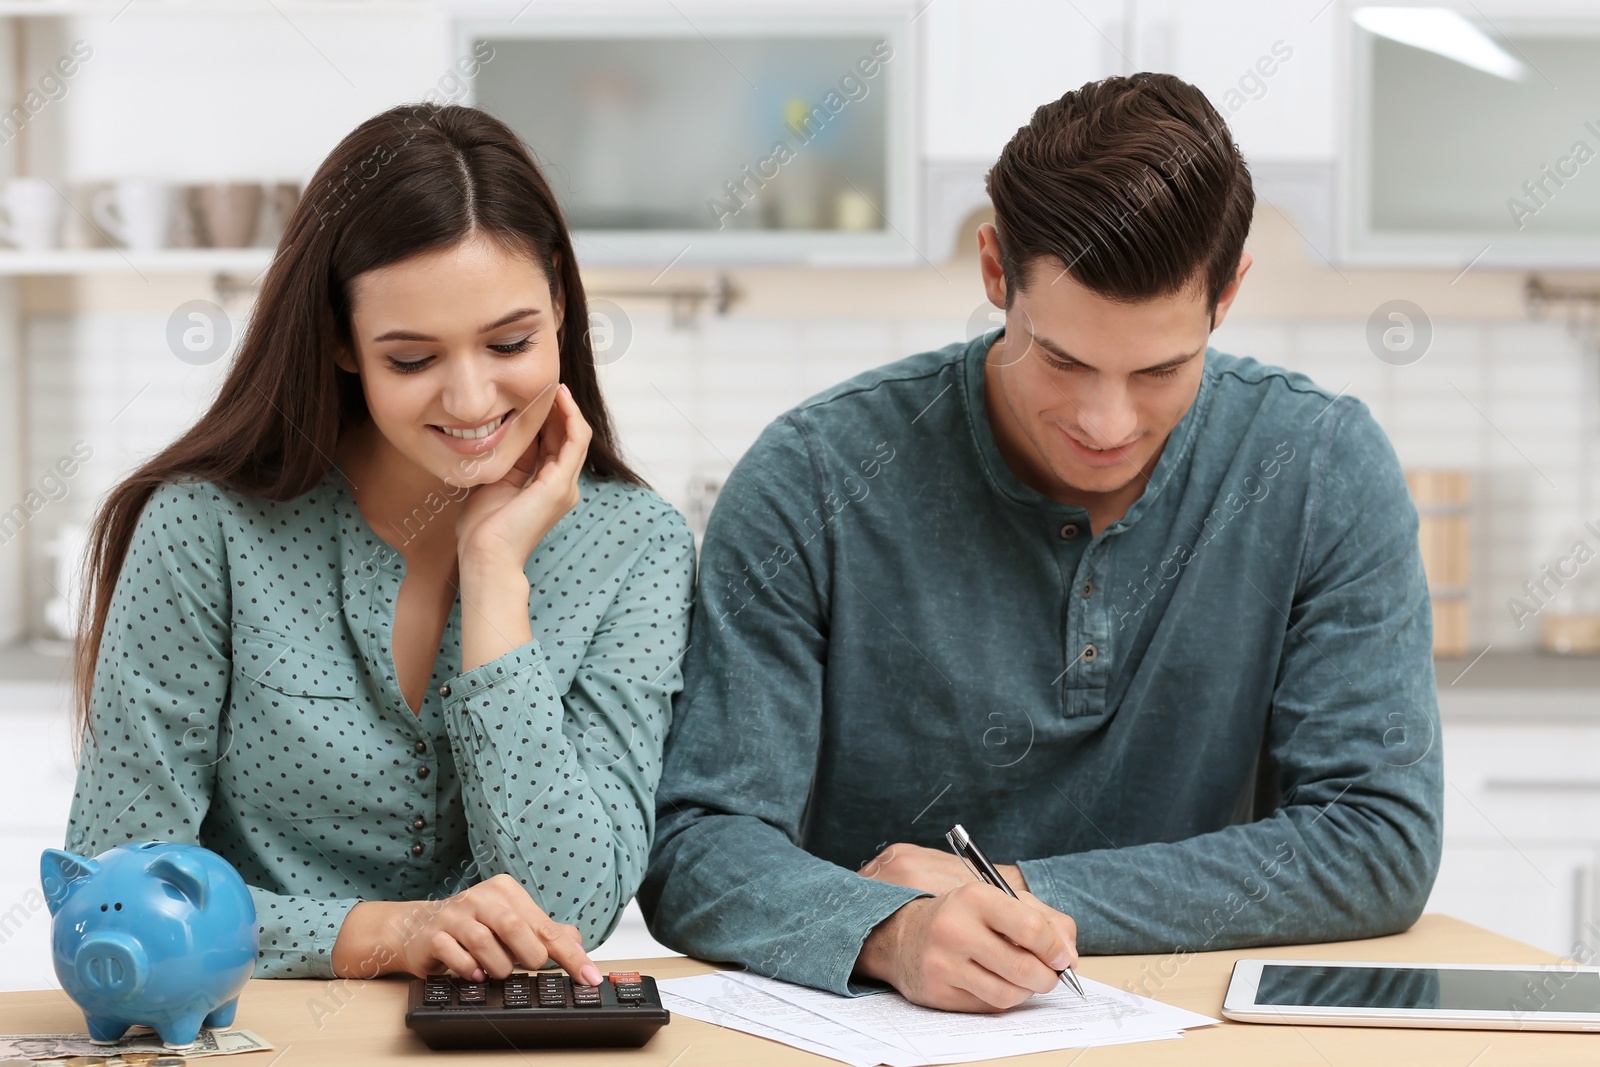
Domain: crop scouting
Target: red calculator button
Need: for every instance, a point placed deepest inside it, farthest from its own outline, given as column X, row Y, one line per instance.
column 624, row 977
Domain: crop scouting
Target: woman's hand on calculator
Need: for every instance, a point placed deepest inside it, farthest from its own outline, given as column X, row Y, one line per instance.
column 485, row 930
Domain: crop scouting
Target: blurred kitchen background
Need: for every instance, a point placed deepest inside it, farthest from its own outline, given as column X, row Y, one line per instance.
column 772, row 196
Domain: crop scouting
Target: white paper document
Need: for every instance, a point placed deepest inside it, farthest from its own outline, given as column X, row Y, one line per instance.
column 885, row 1028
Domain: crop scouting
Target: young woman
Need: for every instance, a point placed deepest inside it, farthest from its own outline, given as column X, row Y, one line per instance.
column 393, row 628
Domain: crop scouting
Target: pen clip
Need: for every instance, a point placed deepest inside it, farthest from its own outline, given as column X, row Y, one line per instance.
column 955, row 846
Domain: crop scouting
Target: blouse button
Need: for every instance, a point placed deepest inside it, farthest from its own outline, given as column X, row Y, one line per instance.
column 444, row 690
column 416, row 849
column 422, row 746
column 422, row 772
column 418, row 823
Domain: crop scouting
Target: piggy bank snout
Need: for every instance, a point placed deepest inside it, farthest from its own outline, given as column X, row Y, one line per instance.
column 112, row 964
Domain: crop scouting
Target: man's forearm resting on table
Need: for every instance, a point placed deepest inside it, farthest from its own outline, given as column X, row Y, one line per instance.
column 1337, row 873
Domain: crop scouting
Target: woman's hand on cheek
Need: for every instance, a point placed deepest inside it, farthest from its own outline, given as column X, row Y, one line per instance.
column 502, row 522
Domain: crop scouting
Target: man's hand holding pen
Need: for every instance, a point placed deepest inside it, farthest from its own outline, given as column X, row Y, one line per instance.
column 970, row 947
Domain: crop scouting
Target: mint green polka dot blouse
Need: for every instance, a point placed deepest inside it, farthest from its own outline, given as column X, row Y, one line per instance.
column 245, row 700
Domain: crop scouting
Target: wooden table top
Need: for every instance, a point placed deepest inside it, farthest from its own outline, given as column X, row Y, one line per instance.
column 353, row 1023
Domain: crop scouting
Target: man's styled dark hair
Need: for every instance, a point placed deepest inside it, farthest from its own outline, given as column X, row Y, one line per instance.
column 1133, row 183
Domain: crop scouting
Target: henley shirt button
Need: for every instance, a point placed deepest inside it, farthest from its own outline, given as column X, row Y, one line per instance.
column 418, row 823
column 422, row 746
column 422, row 772
column 1069, row 531
column 1088, row 590
column 444, row 690
column 416, row 849
column 1089, row 653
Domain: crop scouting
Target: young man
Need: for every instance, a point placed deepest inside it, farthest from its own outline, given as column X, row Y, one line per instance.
column 1148, row 619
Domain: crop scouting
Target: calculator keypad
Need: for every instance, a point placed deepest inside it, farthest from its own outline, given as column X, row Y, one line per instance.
column 544, row 1009
column 517, row 991
column 628, row 986
column 552, row 990
column 545, row 989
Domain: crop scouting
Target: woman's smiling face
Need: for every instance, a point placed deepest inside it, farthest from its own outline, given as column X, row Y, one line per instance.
column 458, row 355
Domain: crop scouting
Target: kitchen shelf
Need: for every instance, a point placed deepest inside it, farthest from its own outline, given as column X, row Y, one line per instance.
column 1523, row 670
column 62, row 8
column 121, row 261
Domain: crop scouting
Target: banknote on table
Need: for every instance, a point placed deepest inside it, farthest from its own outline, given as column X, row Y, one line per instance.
column 139, row 1043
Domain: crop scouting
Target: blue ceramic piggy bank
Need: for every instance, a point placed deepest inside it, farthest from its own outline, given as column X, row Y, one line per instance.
column 157, row 934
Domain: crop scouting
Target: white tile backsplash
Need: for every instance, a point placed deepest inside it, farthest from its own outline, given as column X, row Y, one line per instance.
column 1515, row 403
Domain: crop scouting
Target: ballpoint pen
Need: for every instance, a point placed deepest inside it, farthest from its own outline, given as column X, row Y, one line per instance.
column 968, row 852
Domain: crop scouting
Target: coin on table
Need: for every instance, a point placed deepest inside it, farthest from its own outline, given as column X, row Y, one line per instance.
column 140, row 1057
column 168, row 1061
column 84, row 1061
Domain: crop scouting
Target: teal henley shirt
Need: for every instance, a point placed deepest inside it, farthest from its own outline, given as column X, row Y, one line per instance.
column 1211, row 725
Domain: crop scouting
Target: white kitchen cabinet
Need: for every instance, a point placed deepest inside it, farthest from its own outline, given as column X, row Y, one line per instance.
column 1538, row 894
column 316, row 70
column 985, row 67
column 39, row 768
column 1266, row 66
column 1418, row 187
column 24, row 919
column 39, row 780
column 989, row 63
column 1522, row 816
column 1529, row 781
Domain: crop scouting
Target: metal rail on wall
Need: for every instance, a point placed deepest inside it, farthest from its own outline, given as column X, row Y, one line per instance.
column 683, row 302
column 1581, row 301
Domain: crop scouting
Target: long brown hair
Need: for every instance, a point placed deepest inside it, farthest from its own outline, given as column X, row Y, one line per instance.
column 417, row 178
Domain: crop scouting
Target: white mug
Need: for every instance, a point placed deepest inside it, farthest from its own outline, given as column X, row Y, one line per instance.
column 30, row 214
column 135, row 211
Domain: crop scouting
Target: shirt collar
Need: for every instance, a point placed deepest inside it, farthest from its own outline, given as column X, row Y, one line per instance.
column 1180, row 442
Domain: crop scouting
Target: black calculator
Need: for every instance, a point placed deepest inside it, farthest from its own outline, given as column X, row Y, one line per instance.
column 545, row 1009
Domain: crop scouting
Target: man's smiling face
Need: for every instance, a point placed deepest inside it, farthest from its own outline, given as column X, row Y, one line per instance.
column 1084, row 390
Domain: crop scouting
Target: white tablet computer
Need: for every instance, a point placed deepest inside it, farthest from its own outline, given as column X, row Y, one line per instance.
column 1458, row 995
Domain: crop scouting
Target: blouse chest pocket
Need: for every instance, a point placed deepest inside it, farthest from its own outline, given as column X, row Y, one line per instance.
column 299, row 729
column 261, row 657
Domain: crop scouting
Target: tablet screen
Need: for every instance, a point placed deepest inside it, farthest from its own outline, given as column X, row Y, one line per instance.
column 1428, row 987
